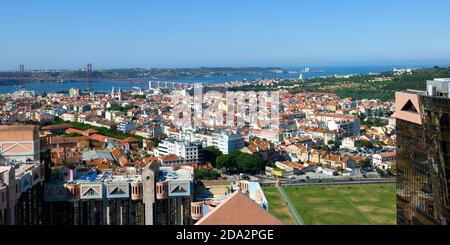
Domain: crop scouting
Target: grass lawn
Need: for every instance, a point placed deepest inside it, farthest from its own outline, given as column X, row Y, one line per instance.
column 277, row 207
column 341, row 204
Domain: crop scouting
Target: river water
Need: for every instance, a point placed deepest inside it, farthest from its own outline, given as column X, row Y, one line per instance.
column 107, row 85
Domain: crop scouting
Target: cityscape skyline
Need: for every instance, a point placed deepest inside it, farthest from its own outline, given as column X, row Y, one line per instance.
column 387, row 65
column 259, row 113
column 178, row 34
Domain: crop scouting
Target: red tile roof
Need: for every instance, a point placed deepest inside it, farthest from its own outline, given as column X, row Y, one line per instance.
column 170, row 157
column 57, row 126
column 388, row 154
column 130, row 140
column 238, row 209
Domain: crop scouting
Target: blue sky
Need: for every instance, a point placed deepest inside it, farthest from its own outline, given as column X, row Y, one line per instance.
column 181, row 33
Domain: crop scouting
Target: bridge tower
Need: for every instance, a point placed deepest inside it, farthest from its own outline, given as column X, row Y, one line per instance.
column 89, row 77
column 21, row 74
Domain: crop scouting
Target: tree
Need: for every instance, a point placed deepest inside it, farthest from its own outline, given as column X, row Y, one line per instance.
column 55, row 172
column 225, row 161
column 137, row 96
column 156, row 141
column 234, row 154
column 335, row 144
column 244, row 162
column 247, row 163
column 394, row 169
column 206, row 174
column 382, row 172
column 365, row 163
column 120, row 108
column 211, row 153
column 70, row 135
column 391, row 171
column 365, row 143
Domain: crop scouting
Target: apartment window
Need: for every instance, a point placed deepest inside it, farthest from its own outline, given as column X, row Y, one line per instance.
column 445, row 120
column 445, row 148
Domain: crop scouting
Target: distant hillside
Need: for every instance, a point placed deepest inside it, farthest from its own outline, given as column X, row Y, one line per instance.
column 381, row 86
column 385, row 90
column 138, row 73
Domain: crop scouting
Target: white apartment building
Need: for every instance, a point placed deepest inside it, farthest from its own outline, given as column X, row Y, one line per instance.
column 182, row 149
column 69, row 117
column 349, row 143
column 384, row 160
column 349, row 128
column 226, row 142
column 74, row 92
column 82, row 118
column 270, row 135
column 349, row 124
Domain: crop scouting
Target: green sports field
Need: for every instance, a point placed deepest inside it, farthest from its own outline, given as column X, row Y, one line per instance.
column 337, row 204
column 278, row 207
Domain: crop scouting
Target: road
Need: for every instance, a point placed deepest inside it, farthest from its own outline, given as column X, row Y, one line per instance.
column 291, row 206
column 336, row 181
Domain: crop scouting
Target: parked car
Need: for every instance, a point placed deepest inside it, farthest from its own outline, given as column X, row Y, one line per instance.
column 244, row 176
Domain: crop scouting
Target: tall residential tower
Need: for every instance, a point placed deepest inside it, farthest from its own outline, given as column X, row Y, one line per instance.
column 423, row 159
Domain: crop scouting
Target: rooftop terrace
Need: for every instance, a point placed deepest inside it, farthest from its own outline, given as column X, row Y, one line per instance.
column 90, row 177
column 168, row 173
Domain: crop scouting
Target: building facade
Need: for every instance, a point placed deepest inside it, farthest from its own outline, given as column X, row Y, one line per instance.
column 21, row 199
column 423, row 158
column 183, row 149
column 383, row 160
column 153, row 196
column 226, row 142
column 174, row 195
column 20, row 143
column 91, row 199
column 22, row 174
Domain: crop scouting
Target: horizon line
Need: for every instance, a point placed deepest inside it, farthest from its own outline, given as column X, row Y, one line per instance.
column 421, row 63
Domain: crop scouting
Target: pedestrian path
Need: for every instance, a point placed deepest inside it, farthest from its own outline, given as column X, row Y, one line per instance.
column 291, row 206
